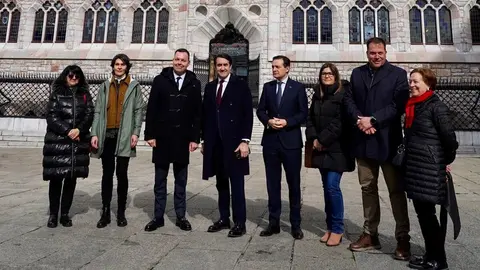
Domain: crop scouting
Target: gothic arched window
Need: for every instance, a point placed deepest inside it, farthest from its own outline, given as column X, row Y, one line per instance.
column 10, row 22
column 100, row 24
column 318, row 18
column 50, row 25
column 475, row 23
column 430, row 23
column 150, row 23
column 367, row 19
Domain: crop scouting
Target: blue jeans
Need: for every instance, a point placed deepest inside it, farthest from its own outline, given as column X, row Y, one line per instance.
column 333, row 200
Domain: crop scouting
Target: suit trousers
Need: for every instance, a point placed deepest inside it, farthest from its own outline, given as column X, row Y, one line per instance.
column 180, row 173
column 431, row 231
column 274, row 156
column 368, row 170
column 108, row 165
column 226, row 177
column 56, row 196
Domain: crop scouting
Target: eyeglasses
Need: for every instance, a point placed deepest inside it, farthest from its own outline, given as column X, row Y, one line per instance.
column 325, row 74
column 72, row 76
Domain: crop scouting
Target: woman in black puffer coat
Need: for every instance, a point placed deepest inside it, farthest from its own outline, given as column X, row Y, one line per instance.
column 326, row 130
column 67, row 141
column 430, row 146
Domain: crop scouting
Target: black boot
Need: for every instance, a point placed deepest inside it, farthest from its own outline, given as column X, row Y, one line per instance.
column 105, row 219
column 65, row 220
column 121, row 220
column 52, row 221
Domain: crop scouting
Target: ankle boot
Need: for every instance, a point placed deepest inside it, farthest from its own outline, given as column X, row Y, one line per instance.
column 65, row 220
column 105, row 219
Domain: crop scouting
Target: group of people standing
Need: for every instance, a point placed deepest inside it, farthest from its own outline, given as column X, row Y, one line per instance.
column 360, row 119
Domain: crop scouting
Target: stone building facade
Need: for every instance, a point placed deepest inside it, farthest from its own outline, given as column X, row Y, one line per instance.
column 453, row 50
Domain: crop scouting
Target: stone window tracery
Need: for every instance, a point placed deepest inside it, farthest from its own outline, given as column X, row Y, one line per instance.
column 10, row 21
column 100, row 23
column 50, row 24
column 318, row 18
column 430, row 23
column 367, row 19
column 150, row 23
column 475, row 23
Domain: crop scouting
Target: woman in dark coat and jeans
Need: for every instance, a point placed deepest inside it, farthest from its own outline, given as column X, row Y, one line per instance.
column 330, row 143
column 430, row 146
column 67, row 141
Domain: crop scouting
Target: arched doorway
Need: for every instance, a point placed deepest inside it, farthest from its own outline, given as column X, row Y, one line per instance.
column 230, row 41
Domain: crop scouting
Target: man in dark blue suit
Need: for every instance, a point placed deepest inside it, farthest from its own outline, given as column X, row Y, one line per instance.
column 374, row 103
column 227, row 122
column 282, row 109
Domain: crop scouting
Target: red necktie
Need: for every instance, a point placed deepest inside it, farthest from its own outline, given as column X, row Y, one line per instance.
column 219, row 93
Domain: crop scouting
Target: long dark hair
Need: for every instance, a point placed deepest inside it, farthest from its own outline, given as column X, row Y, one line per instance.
column 335, row 72
column 62, row 78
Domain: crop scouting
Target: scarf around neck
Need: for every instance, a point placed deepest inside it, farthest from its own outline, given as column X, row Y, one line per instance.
column 410, row 108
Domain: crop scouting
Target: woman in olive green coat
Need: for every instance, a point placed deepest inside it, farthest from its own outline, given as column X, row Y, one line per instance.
column 115, row 131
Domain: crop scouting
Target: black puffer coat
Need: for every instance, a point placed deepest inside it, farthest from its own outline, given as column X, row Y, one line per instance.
column 68, row 108
column 430, row 146
column 326, row 123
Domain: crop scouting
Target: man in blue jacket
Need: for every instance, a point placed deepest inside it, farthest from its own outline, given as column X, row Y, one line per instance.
column 374, row 104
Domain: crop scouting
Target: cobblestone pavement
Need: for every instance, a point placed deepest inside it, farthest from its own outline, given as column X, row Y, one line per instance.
column 26, row 242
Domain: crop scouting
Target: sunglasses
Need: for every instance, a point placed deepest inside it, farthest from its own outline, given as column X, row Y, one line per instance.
column 73, row 76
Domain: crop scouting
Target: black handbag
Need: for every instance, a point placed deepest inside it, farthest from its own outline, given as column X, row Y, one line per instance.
column 399, row 158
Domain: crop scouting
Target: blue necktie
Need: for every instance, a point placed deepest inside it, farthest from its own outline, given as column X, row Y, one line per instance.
column 178, row 82
column 279, row 93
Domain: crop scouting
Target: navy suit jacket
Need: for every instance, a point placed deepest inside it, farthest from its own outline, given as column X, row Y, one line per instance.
column 233, row 120
column 293, row 107
column 382, row 95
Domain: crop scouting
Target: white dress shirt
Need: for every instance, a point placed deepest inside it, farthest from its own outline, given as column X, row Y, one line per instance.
column 180, row 82
column 224, row 86
column 284, row 83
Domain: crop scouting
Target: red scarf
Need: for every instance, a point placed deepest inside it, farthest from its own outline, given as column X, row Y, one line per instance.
column 410, row 108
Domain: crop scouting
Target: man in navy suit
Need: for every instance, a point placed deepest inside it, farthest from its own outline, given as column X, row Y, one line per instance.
column 227, row 122
column 282, row 109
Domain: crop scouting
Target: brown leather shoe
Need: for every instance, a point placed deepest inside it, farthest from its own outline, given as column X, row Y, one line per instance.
column 402, row 252
column 365, row 242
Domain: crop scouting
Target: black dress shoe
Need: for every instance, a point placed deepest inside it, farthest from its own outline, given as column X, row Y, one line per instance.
column 52, row 221
column 421, row 262
column 183, row 224
column 297, row 233
column 270, row 230
column 105, row 219
column 237, row 230
column 121, row 220
column 219, row 225
column 153, row 225
column 65, row 220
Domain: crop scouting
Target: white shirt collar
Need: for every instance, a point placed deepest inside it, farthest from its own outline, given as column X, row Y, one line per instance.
column 175, row 75
column 284, row 81
column 226, row 79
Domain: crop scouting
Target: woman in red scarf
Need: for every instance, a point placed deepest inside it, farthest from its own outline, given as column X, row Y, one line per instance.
column 430, row 146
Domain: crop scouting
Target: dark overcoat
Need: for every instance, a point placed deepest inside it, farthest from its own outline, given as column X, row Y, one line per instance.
column 325, row 123
column 67, row 108
column 233, row 119
column 173, row 117
column 382, row 94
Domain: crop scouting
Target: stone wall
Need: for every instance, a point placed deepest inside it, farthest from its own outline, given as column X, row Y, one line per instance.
column 140, row 67
column 453, row 70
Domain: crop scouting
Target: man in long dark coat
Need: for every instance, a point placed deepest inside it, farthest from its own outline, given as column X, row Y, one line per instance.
column 227, row 122
column 172, row 129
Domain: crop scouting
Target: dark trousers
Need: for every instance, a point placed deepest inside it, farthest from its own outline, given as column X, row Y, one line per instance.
column 332, row 195
column 56, row 196
column 226, row 177
column 180, row 172
column 432, row 232
column 108, row 164
column 274, row 157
